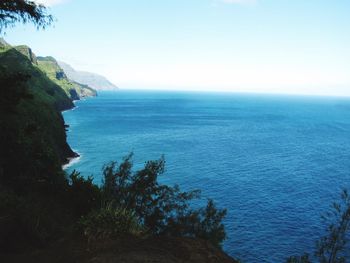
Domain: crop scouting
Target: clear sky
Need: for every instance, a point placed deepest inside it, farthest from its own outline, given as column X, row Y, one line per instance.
column 280, row 46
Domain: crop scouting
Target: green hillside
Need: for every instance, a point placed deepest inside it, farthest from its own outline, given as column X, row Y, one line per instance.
column 30, row 109
column 33, row 148
column 14, row 61
column 93, row 80
column 73, row 89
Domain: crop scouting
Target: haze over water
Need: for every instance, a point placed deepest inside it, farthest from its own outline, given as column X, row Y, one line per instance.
column 275, row 162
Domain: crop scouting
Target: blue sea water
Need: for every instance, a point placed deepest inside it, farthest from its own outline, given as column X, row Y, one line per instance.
column 275, row 162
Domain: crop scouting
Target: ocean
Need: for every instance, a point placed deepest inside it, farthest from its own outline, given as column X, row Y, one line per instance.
column 275, row 162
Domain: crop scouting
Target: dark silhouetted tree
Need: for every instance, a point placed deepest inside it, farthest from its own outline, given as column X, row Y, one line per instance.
column 160, row 209
column 23, row 11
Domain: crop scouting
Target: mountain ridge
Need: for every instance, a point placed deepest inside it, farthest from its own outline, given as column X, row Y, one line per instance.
column 73, row 89
column 93, row 80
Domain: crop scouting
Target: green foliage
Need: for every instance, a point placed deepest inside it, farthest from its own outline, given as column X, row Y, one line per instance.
column 55, row 73
column 161, row 209
column 109, row 222
column 84, row 195
column 34, row 192
column 39, row 85
column 211, row 227
column 32, row 135
column 31, row 219
column 205, row 223
column 15, row 89
column 23, row 11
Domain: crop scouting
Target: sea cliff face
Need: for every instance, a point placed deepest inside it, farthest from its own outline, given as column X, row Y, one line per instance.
column 36, row 115
column 51, row 92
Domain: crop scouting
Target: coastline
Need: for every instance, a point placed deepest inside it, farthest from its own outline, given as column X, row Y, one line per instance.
column 76, row 155
column 71, row 109
column 71, row 161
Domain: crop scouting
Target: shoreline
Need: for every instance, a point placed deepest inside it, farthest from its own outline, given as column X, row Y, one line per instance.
column 71, row 161
column 76, row 158
column 71, row 109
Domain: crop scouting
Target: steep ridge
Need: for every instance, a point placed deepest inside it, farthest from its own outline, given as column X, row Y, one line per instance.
column 27, row 51
column 33, row 186
column 73, row 89
column 95, row 81
column 38, row 113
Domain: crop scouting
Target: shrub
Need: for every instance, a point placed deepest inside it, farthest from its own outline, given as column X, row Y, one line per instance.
column 108, row 223
column 161, row 209
column 29, row 220
column 84, row 196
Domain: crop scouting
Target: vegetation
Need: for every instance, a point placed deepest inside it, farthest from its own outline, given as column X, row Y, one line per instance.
column 160, row 209
column 39, row 202
column 110, row 223
column 74, row 90
column 23, row 11
column 33, row 139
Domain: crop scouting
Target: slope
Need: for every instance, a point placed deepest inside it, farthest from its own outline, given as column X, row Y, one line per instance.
column 73, row 89
column 95, row 81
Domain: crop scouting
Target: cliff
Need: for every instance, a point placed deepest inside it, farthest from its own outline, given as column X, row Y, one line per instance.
column 42, row 111
column 27, row 51
column 73, row 89
column 95, row 81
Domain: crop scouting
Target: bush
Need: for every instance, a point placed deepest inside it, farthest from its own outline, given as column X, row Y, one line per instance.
column 29, row 220
column 108, row 223
column 84, row 196
column 161, row 209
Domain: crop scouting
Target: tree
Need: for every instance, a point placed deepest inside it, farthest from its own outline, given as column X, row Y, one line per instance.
column 23, row 11
column 160, row 209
